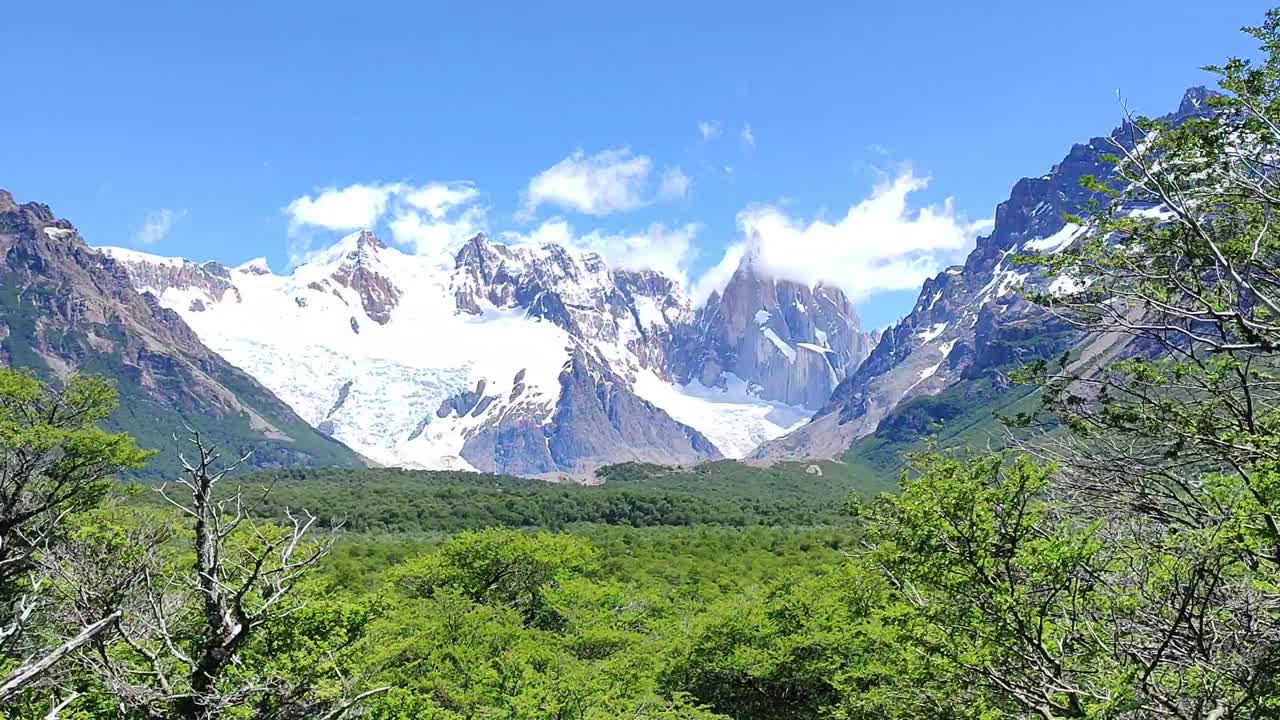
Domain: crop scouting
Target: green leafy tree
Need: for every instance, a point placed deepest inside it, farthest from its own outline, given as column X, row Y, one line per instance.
column 54, row 461
column 501, row 568
column 1173, row 402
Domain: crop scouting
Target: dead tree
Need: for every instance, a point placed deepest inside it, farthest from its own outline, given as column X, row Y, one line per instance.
column 177, row 650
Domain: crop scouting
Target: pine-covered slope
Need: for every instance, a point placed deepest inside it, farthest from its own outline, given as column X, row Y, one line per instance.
column 65, row 307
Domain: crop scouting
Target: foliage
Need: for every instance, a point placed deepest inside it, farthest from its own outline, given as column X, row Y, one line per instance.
column 54, row 461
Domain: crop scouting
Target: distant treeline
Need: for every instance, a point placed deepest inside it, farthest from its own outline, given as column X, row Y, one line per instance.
column 635, row 495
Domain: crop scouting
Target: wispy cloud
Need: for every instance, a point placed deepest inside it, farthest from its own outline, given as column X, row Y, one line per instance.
column 748, row 137
column 708, row 129
column 607, row 182
column 675, row 184
column 157, row 225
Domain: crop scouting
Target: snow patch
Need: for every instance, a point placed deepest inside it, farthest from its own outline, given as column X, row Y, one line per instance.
column 258, row 266
column 1058, row 241
column 925, row 374
column 136, row 256
column 933, row 332
column 1065, row 285
column 779, row 343
column 648, row 312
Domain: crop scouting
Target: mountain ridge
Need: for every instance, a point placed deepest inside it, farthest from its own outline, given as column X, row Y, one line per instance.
column 67, row 308
column 613, row 365
column 971, row 321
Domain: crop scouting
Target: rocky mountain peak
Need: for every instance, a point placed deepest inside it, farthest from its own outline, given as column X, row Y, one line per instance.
column 792, row 342
column 366, row 240
column 971, row 321
column 210, row 281
column 360, row 270
column 1195, row 100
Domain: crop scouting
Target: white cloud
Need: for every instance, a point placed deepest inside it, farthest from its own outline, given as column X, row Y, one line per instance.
column 882, row 242
column 157, row 225
column 607, row 182
column 708, row 129
column 669, row 250
column 717, row 277
column 748, row 138
column 675, row 184
column 430, row 234
column 428, row 218
column 349, row 208
column 438, row 198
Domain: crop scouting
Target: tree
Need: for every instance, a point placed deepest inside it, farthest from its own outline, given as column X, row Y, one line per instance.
column 204, row 624
column 1173, row 447
column 54, row 461
column 504, row 568
column 1002, row 585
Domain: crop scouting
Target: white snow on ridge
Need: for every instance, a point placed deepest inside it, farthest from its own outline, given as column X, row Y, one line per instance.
column 925, row 374
column 400, row 373
column 933, row 332
column 648, row 312
column 132, row 256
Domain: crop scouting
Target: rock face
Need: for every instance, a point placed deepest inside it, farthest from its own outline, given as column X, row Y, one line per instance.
column 971, row 319
column 65, row 307
column 794, row 342
column 595, row 415
column 358, row 271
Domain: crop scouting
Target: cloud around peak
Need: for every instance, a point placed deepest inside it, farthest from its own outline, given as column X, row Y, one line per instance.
column 426, row 218
column 883, row 242
column 669, row 250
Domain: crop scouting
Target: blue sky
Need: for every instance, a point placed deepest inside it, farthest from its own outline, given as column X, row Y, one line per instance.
column 661, row 133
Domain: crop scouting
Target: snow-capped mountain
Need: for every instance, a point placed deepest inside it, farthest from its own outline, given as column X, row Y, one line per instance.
column 973, row 319
column 528, row 359
column 64, row 308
